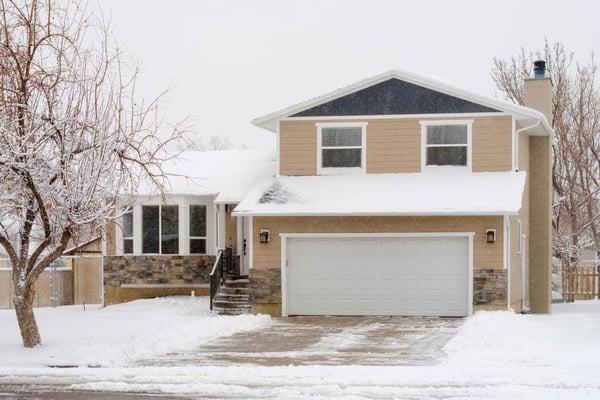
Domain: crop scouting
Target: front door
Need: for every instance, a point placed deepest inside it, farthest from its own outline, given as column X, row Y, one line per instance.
column 245, row 245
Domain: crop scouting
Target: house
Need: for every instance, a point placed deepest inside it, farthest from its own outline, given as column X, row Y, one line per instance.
column 404, row 195
column 167, row 245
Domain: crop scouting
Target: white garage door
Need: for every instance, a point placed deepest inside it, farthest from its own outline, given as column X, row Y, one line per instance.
column 377, row 276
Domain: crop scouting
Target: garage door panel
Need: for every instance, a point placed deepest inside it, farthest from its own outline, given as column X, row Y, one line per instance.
column 377, row 276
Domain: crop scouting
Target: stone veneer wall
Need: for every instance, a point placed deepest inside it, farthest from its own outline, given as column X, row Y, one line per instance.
column 131, row 277
column 490, row 289
column 265, row 291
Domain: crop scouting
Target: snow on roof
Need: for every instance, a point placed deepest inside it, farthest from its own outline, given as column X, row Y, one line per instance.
column 485, row 193
column 269, row 121
column 228, row 174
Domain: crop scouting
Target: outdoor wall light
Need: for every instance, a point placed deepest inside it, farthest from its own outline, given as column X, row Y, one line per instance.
column 490, row 235
column 265, row 235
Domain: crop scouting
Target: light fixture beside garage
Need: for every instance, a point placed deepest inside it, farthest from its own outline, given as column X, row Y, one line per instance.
column 490, row 235
column 265, row 235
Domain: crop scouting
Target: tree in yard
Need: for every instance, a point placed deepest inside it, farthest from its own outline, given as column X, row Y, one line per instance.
column 72, row 137
column 576, row 143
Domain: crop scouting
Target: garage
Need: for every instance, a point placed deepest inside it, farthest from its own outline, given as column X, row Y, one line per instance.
column 405, row 275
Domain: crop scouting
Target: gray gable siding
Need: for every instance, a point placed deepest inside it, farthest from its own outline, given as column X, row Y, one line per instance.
column 394, row 97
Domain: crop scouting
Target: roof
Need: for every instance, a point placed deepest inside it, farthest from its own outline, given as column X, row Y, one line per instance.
column 451, row 193
column 270, row 121
column 228, row 174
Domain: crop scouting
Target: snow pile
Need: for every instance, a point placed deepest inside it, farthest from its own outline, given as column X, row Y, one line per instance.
column 119, row 334
column 277, row 194
column 489, row 193
column 495, row 355
column 502, row 339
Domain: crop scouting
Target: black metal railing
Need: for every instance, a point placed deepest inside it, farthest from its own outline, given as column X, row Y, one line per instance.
column 222, row 268
column 216, row 277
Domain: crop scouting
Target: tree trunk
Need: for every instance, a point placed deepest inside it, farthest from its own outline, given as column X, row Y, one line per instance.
column 23, row 302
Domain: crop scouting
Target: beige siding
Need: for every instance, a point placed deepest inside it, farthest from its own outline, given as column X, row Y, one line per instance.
column 492, row 144
column 394, row 144
column 298, row 148
column 231, row 229
column 486, row 255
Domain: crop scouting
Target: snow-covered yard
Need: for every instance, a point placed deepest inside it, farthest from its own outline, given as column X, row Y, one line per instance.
column 496, row 355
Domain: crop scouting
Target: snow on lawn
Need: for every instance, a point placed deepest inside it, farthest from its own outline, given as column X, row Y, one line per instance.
column 118, row 334
column 495, row 355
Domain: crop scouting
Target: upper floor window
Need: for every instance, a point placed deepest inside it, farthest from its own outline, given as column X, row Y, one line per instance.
column 446, row 144
column 160, row 229
column 341, row 148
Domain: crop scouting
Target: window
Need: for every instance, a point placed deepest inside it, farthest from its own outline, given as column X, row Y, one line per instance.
column 197, row 229
column 446, row 144
column 160, row 227
column 341, row 148
column 128, row 232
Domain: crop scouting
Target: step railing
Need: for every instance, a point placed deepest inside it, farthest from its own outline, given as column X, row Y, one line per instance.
column 223, row 266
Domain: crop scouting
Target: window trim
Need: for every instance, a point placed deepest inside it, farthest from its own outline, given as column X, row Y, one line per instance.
column 125, row 237
column 424, row 146
column 160, row 228
column 341, row 170
column 190, row 237
column 182, row 201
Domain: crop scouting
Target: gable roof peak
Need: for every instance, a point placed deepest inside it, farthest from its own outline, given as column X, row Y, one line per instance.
column 270, row 121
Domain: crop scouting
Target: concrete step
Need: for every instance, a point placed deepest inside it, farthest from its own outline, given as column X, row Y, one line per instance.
column 231, row 311
column 234, row 291
column 235, row 297
column 237, row 283
column 230, row 304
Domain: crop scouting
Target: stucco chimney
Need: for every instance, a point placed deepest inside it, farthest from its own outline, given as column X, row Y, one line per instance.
column 538, row 90
column 538, row 95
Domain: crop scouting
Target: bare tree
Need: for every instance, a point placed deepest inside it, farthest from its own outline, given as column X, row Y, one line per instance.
column 576, row 144
column 73, row 137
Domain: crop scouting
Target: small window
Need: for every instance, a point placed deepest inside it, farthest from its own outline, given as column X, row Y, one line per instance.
column 197, row 229
column 160, row 227
column 446, row 144
column 341, row 148
column 128, row 232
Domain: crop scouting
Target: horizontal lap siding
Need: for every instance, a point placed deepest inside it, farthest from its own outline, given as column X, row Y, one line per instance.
column 394, row 145
column 486, row 255
column 298, row 148
column 492, row 144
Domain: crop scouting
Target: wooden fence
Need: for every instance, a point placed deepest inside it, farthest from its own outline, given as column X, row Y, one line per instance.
column 580, row 283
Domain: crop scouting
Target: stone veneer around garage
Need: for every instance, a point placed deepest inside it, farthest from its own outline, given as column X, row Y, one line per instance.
column 489, row 290
column 131, row 277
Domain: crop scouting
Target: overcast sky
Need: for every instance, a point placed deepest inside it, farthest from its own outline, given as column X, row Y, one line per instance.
column 229, row 62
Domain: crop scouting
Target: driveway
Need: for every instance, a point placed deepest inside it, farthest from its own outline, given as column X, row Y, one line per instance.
column 328, row 341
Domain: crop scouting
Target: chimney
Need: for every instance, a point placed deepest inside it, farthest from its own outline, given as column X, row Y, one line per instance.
column 539, row 69
column 538, row 90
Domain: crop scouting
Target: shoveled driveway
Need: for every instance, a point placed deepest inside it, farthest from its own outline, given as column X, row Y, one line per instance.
column 328, row 341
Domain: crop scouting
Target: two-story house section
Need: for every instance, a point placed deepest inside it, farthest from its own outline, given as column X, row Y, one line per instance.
column 404, row 195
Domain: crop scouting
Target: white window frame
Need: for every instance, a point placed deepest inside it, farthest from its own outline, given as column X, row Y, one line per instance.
column 363, row 147
column 205, row 237
column 183, row 202
column 160, row 208
column 125, row 237
column 424, row 146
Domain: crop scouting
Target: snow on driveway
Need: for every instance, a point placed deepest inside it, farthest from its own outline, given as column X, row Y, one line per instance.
column 495, row 355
